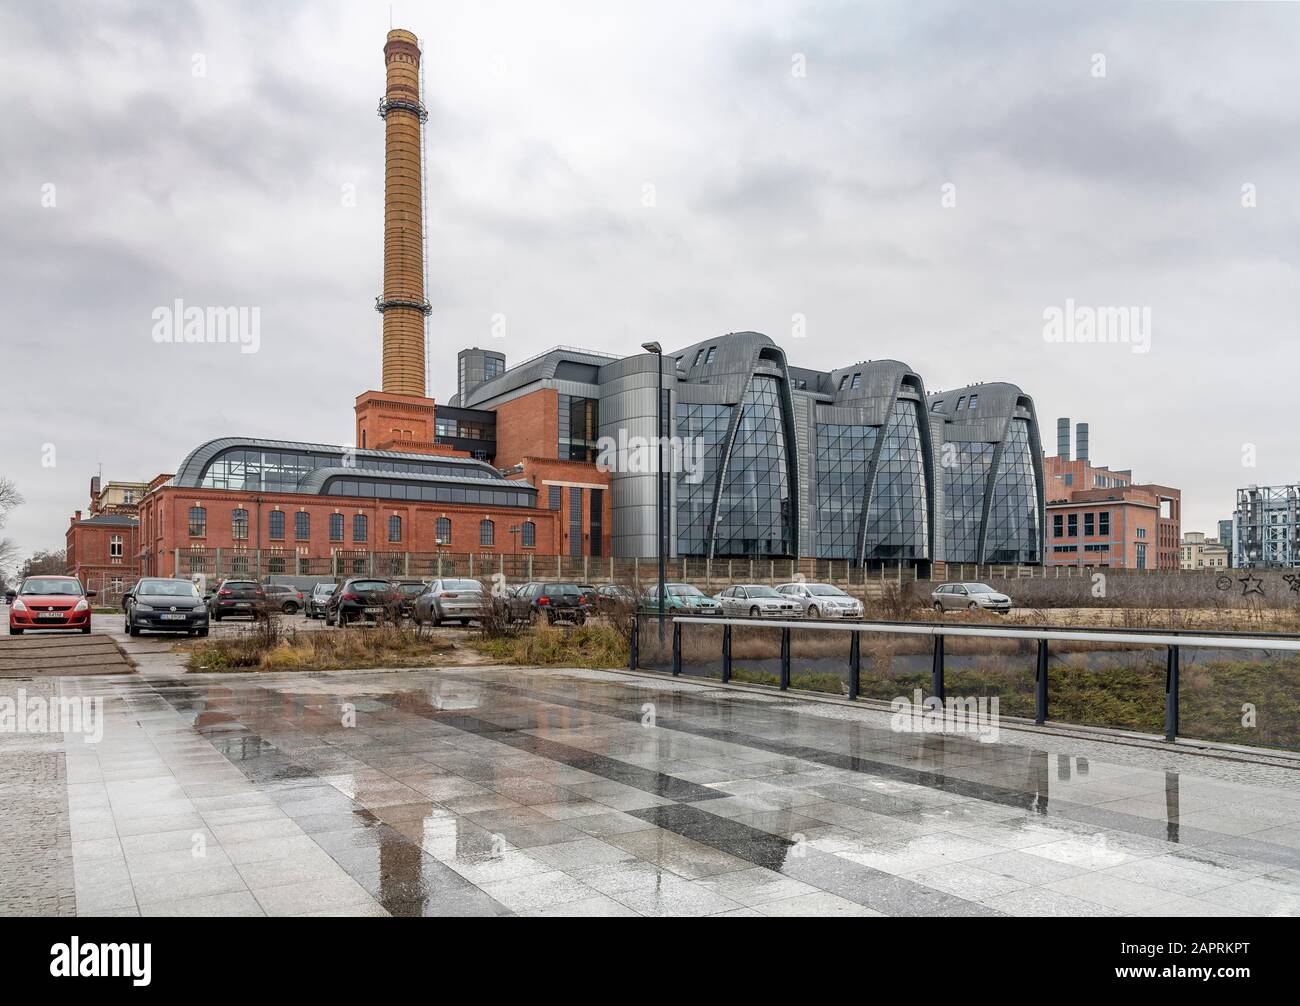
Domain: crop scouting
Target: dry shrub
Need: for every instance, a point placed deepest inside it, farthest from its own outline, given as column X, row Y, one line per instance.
column 389, row 644
column 590, row 645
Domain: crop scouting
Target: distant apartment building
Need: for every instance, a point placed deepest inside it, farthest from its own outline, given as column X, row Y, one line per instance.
column 1097, row 516
column 1200, row 552
column 1266, row 531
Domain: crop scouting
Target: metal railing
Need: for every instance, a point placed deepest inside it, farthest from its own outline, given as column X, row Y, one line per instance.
column 1173, row 641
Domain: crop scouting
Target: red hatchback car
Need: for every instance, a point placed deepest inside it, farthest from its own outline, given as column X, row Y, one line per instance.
column 50, row 602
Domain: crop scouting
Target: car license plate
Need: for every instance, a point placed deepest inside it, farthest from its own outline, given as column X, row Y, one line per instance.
column 176, row 617
column 49, row 614
column 243, row 604
column 373, row 611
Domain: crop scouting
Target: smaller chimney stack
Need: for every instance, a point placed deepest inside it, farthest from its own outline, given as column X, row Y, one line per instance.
column 1081, row 441
column 1063, row 439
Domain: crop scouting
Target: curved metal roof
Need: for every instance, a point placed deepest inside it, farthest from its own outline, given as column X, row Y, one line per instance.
column 196, row 463
column 314, row 481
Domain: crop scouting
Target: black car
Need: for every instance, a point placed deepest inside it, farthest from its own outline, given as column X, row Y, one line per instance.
column 556, row 602
column 159, row 604
column 318, row 598
column 287, row 599
column 237, row 597
column 407, row 592
column 362, row 598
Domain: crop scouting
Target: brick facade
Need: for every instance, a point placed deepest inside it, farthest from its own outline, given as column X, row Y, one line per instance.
column 165, row 527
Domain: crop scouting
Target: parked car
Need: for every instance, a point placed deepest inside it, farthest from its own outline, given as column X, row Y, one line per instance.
column 407, row 592
column 449, row 600
column 823, row 600
column 288, row 599
column 758, row 601
column 969, row 596
column 615, row 597
column 50, row 602
column 556, row 602
column 318, row 598
column 236, row 597
column 589, row 596
column 361, row 597
column 163, row 604
column 680, row 599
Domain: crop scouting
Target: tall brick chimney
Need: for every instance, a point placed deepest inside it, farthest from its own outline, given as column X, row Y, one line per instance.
column 403, row 301
column 399, row 417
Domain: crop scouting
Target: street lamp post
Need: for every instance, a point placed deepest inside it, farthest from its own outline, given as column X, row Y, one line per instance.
column 658, row 350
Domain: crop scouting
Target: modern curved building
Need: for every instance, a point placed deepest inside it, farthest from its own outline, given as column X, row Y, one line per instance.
column 991, row 474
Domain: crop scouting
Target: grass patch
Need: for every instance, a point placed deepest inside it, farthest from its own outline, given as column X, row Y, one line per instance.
column 809, row 682
column 591, row 645
column 321, row 650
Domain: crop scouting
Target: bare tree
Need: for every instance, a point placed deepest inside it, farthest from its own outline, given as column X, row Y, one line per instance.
column 53, row 562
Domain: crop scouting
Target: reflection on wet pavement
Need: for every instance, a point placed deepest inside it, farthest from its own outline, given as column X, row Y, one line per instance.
column 495, row 792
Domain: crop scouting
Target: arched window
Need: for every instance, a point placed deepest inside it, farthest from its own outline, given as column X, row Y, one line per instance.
column 275, row 524
column 529, row 534
column 302, row 525
column 394, row 528
column 487, row 532
column 239, row 524
column 198, row 522
column 336, row 527
column 359, row 527
column 442, row 531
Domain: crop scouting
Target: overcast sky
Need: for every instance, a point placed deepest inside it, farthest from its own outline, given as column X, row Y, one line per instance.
column 605, row 173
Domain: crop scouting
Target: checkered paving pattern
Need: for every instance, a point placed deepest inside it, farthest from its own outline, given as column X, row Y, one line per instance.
column 476, row 791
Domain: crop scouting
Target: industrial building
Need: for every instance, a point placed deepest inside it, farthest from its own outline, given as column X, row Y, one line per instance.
column 1099, row 517
column 1266, row 527
column 558, row 455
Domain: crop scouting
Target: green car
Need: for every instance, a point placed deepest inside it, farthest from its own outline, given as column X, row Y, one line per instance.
column 680, row 599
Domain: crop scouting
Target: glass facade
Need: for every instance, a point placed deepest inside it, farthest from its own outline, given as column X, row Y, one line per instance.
column 843, row 468
column 596, row 520
column 754, row 510
column 707, row 426
column 579, row 421
column 966, row 470
column 898, row 522
column 1014, row 530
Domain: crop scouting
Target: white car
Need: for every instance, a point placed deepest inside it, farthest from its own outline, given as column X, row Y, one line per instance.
column 757, row 601
column 969, row 597
column 823, row 600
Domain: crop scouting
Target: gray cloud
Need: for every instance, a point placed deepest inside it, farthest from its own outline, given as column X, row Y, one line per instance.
column 775, row 195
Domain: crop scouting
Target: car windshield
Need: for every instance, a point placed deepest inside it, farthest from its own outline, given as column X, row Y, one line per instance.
column 684, row 590
column 50, row 585
column 761, row 592
column 979, row 588
column 324, row 588
column 167, row 588
column 825, row 590
column 411, row 588
column 371, row 585
column 462, row 585
column 240, row 585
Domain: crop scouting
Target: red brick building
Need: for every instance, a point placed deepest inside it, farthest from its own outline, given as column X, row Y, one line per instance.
column 1097, row 516
column 101, row 546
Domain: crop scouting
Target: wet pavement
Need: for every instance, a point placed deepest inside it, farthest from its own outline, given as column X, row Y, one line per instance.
column 480, row 791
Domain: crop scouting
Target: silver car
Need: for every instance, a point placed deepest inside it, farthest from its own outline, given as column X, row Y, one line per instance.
column 449, row 600
column 822, row 600
column 757, row 601
column 969, row 597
